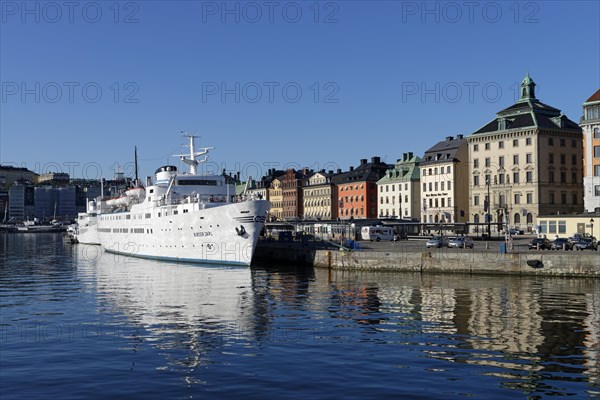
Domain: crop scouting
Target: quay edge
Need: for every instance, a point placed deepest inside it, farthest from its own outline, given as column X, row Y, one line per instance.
column 544, row 263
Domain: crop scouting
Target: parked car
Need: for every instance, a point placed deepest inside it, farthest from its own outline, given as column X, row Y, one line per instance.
column 586, row 244
column 543, row 243
column 461, row 242
column 437, row 241
column 559, row 243
column 514, row 232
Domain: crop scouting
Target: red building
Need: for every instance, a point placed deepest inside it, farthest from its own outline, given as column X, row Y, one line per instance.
column 357, row 189
column 291, row 184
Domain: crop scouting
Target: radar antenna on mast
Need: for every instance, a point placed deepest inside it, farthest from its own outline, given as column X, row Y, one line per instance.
column 190, row 158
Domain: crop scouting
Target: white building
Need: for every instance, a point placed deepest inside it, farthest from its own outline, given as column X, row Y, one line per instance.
column 590, row 124
column 445, row 183
column 399, row 191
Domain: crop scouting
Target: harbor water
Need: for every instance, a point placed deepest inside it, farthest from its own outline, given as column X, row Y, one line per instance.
column 79, row 323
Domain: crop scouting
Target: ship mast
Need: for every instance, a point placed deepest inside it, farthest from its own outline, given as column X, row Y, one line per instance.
column 192, row 161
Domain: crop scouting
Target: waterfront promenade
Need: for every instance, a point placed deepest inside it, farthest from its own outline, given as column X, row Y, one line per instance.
column 412, row 256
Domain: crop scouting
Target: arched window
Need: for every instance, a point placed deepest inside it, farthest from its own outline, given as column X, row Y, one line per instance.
column 476, row 218
column 529, row 218
column 517, row 218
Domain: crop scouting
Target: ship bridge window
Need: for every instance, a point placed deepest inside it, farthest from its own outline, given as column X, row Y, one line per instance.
column 203, row 182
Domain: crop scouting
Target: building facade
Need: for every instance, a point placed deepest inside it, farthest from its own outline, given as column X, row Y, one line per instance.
column 529, row 159
column 399, row 191
column 357, row 189
column 293, row 203
column 276, row 199
column 444, row 182
column 9, row 175
column 590, row 124
column 319, row 195
column 567, row 225
column 21, row 202
column 55, row 202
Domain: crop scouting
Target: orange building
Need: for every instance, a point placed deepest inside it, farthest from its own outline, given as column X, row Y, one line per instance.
column 357, row 189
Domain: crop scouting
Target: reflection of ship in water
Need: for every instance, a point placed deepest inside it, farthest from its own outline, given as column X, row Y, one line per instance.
column 184, row 307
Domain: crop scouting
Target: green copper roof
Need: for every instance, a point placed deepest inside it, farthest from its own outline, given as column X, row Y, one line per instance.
column 405, row 170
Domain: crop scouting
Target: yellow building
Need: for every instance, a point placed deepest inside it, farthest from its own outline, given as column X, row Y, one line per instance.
column 276, row 199
column 525, row 163
column 567, row 225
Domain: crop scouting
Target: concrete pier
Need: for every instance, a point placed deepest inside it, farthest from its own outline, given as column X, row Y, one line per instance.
column 467, row 261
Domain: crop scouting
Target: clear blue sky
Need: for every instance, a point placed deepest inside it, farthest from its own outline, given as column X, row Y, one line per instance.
column 376, row 78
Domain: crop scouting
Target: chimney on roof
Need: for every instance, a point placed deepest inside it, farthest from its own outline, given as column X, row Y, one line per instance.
column 363, row 161
column 458, row 137
column 339, row 170
column 375, row 160
column 449, row 138
column 351, row 168
column 330, row 171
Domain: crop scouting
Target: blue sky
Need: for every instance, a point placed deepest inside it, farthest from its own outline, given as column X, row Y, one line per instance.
column 317, row 84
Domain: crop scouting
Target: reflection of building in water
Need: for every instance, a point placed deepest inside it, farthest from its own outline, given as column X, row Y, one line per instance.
column 437, row 309
column 505, row 320
column 185, row 307
column 512, row 319
column 592, row 339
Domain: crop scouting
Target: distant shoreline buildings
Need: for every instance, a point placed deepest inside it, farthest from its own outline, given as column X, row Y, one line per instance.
column 529, row 162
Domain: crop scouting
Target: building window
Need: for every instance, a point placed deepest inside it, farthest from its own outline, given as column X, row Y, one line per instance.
column 573, row 177
column 501, row 161
column 515, row 142
column 562, row 142
column 449, row 202
column 562, row 226
column 573, row 143
column 573, row 159
column 563, row 198
column 528, row 141
column 430, row 186
column 516, row 159
column 596, row 133
column 515, row 177
column 597, row 190
column 424, row 187
column 476, row 180
column 529, row 198
column 551, row 201
column 563, row 177
column 475, row 147
column 551, row 141
column 449, row 185
column 563, row 159
column 501, row 179
column 517, row 198
column 476, row 163
column 487, row 162
column 574, row 198
column 442, row 186
column 596, row 170
column 487, row 146
column 476, row 200
column 529, row 177
column 501, row 144
column 551, row 158
column 596, row 151
column 528, row 158
column 551, row 176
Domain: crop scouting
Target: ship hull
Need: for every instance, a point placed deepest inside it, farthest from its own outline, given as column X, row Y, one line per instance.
column 195, row 233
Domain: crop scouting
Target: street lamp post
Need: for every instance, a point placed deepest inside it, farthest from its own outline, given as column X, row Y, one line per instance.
column 488, row 216
column 592, row 225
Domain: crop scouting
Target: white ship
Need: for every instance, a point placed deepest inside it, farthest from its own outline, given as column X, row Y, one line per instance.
column 184, row 217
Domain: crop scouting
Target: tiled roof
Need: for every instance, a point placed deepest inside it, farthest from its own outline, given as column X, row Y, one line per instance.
column 594, row 97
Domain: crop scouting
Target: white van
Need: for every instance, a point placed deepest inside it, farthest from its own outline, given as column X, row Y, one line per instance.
column 377, row 233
